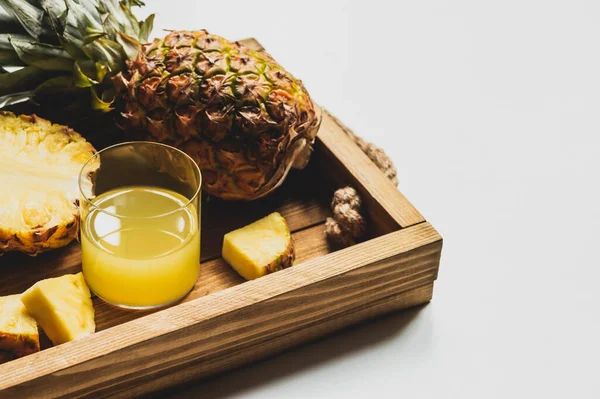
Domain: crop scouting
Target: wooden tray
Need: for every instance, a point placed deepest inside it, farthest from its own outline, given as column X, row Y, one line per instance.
column 226, row 322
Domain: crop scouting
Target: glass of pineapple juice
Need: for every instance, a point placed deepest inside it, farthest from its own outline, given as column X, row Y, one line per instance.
column 140, row 224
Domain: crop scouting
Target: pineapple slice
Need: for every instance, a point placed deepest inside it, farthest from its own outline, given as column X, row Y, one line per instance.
column 62, row 306
column 18, row 330
column 39, row 169
column 262, row 247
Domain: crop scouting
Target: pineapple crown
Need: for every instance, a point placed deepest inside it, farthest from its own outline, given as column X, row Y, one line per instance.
column 66, row 48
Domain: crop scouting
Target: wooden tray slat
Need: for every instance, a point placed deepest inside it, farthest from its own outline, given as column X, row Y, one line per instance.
column 303, row 201
column 306, row 293
column 216, row 275
column 382, row 196
column 203, row 368
column 226, row 322
column 299, row 200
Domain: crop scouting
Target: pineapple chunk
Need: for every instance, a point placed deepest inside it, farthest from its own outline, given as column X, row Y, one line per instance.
column 62, row 306
column 18, row 330
column 262, row 247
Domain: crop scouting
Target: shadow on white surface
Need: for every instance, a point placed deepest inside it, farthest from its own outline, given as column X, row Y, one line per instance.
column 311, row 355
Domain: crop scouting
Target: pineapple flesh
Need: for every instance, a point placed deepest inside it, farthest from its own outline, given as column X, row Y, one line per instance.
column 62, row 306
column 262, row 247
column 18, row 330
column 39, row 168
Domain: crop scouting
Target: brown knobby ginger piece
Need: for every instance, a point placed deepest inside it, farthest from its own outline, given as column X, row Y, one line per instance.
column 350, row 219
column 346, row 195
column 347, row 223
column 336, row 233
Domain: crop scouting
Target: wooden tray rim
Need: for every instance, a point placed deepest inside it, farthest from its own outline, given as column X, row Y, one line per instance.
column 192, row 313
column 413, row 232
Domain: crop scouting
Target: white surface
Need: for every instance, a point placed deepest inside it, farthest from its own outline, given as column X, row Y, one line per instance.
column 491, row 112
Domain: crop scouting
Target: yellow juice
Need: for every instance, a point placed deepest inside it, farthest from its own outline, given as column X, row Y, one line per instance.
column 149, row 254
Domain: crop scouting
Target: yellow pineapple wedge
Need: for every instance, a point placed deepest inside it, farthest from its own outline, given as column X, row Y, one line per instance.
column 39, row 191
column 262, row 247
column 62, row 306
column 18, row 330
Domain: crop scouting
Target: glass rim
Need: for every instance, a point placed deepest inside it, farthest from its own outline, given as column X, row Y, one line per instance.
column 91, row 204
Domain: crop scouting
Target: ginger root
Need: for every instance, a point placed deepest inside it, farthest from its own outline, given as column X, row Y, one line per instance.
column 336, row 233
column 347, row 223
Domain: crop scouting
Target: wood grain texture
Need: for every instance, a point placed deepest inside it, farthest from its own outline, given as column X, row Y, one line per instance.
column 382, row 198
column 200, row 369
column 224, row 323
column 299, row 201
column 216, row 275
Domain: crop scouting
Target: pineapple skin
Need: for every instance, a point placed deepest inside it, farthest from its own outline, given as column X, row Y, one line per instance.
column 62, row 306
column 243, row 118
column 285, row 260
column 38, row 240
column 249, row 268
column 32, row 238
column 18, row 330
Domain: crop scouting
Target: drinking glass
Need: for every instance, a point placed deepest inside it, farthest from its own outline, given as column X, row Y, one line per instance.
column 140, row 224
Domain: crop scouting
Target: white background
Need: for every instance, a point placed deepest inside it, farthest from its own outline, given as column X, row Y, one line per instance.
column 491, row 112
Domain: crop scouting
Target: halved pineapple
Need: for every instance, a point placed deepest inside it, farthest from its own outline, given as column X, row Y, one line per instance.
column 62, row 306
column 262, row 247
column 39, row 168
column 18, row 330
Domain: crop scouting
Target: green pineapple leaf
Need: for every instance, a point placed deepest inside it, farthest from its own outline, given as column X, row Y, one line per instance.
column 98, row 104
column 24, row 79
column 131, row 46
column 146, row 28
column 92, row 34
column 29, row 16
column 9, row 24
column 101, row 70
column 108, row 52
column 62, row 85
column 67, row 46
column 81, row 78
column 15, row 98
column 8, row 55
column 132, row 3
column 41, row 55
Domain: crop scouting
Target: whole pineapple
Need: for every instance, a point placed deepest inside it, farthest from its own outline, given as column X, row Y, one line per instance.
column 238, row 113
